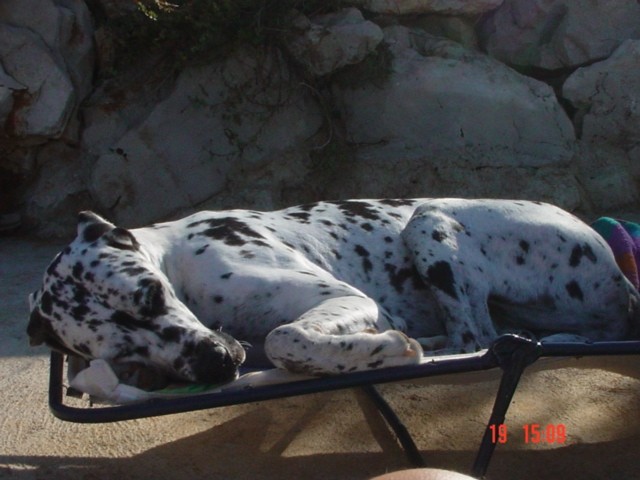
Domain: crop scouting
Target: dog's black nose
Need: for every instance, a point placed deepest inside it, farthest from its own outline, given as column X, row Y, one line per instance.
column 213, row 362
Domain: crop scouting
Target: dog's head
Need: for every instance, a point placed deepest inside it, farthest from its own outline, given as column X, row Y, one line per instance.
column 103, row 297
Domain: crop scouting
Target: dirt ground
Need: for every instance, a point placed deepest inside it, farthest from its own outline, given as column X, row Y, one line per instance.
column 334, row 435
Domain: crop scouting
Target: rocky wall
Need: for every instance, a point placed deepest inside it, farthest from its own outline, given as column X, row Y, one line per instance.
column 534, row 99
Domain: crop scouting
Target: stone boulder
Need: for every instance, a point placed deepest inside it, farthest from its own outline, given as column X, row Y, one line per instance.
column 609, row 177
column 448, row 121
column 420, row 112
column 445, row 7
column 76, row 45
column 554, row 34
column 332, row 41
column 46, row 48
column 223, row 121
column 59, row 191
column 43, row 107
column 607, row 98
column 445, row 103
column 8, row 88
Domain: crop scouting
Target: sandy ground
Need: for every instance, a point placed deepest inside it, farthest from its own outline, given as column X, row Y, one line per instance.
column 334, row 435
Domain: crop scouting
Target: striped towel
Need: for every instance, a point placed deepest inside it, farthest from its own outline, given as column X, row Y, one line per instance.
column 624, row 239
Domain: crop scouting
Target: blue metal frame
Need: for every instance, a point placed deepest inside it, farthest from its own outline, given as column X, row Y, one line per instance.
column 511, row 353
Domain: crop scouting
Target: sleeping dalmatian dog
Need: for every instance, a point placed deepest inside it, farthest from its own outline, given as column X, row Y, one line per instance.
column 329, row 287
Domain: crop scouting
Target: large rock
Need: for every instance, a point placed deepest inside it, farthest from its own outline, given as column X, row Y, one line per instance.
column 46, row 46
column 43, row 108
column 446, row 7
column 554, row 34
column 59, row 191
column 335, row 40
column 446, row 104
column 222, row 121
column 8, row 88
column 460, row 29
column 75, row 43
column 607, row 97
column 39, row 16
column 376, row 177
column 609, row 177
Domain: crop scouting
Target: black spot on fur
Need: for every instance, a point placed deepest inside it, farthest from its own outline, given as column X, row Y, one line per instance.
column 376, row 350
column 77, row 270
column 524, row 245
column 230, row 230
column 80, row 311
column 128, row 322
column 170, row 334
column 580, row 251
column 142, row 351
column 82, row 349
column 307, row 207
column 355, row 208
column 81, row 294
column 226, row 276
column 438, row 236
column 46, row 303
column 179, row 363
column 440, row 276
column 261, row 243
column 302, row 217
column 574, row 290
column 133, row 271
column 150, row 297
column 93, row 324
column 393, row 202
column 398, row 277
column 364, row 253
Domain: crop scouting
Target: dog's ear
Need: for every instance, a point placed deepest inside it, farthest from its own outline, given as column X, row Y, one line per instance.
column 92, row 226
column 121, row 238
column 40, row 332
column 37, row 329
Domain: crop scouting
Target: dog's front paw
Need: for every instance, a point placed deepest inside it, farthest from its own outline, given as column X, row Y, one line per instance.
column 391, row 349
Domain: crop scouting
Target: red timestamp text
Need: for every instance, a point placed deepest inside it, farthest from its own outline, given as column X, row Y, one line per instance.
column 531, row 433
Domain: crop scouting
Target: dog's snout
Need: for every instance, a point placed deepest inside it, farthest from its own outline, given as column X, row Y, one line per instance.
column 213, row 361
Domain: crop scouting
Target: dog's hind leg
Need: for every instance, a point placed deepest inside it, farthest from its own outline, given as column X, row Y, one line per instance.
column 452, row 265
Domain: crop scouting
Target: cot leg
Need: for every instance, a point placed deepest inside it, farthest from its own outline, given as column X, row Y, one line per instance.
column 513, row 354
column 403, row 435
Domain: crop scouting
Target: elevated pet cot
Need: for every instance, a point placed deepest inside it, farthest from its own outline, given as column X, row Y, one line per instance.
column 510, row 353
